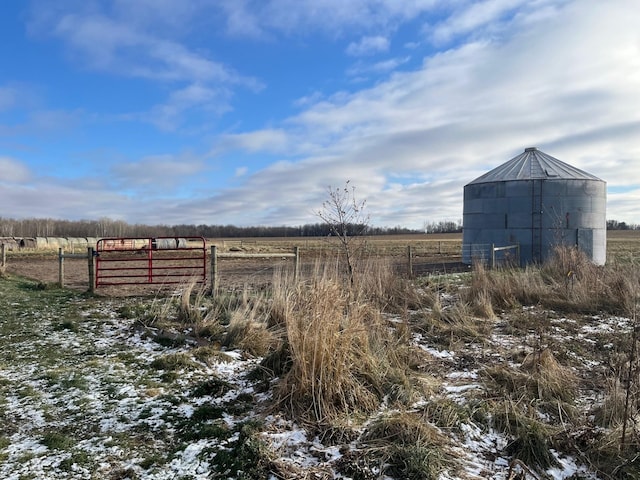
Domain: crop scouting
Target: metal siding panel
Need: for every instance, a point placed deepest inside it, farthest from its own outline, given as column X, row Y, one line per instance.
column 520, row 220
column 474, row 206
column 521, row 188
column 522, row 205
column 555, row 188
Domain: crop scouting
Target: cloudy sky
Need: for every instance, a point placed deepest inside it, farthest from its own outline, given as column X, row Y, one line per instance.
column 245, row 111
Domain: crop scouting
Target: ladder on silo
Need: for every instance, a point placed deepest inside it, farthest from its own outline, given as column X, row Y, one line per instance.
column 536, row 221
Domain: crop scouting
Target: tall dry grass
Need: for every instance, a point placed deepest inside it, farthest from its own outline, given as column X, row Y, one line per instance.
column 343, row 356
column 568, row 281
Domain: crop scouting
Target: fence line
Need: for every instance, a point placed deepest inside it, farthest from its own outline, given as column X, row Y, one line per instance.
column 89, row 256
column 215, row 255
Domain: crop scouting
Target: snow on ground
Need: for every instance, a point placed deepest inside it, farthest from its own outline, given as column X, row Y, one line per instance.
column 86, row 403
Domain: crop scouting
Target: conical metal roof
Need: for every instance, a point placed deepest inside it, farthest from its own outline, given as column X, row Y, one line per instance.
column 533, row 164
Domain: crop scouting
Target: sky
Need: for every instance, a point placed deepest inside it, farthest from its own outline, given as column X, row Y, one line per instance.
column 245, row 112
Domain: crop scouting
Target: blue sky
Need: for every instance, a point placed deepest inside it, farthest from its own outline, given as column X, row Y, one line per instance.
column 245, row 111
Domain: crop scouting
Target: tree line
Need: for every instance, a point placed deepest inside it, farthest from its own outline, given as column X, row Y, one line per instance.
column 616, row 225
column 105, row 227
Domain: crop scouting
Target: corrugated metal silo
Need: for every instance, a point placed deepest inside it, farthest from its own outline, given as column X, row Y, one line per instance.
column 538, row 202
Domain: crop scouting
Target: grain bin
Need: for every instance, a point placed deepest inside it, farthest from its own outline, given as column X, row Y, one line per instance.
column 537, row 202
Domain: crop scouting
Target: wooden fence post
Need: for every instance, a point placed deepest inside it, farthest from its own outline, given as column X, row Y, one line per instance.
column 91, row 264
column 61, row 267
column 296, row 271
column 409, row 261
column 214, row 270
column 3, row 263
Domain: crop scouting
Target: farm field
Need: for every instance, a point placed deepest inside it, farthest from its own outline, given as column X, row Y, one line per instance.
column 431, row 253
column 465, row 376
column 437, row 252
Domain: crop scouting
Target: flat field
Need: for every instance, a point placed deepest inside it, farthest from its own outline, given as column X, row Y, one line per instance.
column 430, row 253
column 439, row 252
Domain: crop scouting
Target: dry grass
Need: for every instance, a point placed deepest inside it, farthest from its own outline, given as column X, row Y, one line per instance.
column 408, row 446
column 610, row 412
column 454, row 323
column 333, row 368
column 343, row 357
column 380, row 285
column 540, row 381
column 550, row 381
column 567, row 282
column 612, row 460
column 248, row 329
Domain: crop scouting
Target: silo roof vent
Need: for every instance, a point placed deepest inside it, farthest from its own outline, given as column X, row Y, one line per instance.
column 531, row 149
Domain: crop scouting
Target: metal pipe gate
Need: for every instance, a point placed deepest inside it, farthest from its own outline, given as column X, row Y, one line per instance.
column 153, row 260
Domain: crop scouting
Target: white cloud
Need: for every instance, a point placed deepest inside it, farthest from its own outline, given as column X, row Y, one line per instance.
column 567, row 85
column 368, row 46
column 559, row 75
column 159, row 174
column 126, row 45
column 13, row 171
column 377, row 68
column 477, row 17
column 268, row 140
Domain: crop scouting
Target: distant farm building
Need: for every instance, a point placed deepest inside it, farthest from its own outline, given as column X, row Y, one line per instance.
column 537, row 202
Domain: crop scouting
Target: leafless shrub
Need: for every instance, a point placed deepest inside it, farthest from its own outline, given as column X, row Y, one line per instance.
column 345, row 217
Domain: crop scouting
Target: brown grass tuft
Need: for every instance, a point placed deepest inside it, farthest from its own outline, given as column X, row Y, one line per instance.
column 610, row 412
column 343, row 358
column 408, row 446
column 549, row 380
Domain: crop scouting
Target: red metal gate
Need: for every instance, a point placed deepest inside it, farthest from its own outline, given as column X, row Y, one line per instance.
column 155, row 260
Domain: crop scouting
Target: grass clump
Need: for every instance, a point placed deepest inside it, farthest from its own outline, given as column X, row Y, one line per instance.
column 568, row 281
column 408, row 446
column 248, row 329
column 57, row 441
column 340, row 356
column 530, row 437
column 247, row 457
column 172, row 362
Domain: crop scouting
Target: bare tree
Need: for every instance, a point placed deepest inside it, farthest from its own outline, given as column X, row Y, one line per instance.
column 346, row 219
